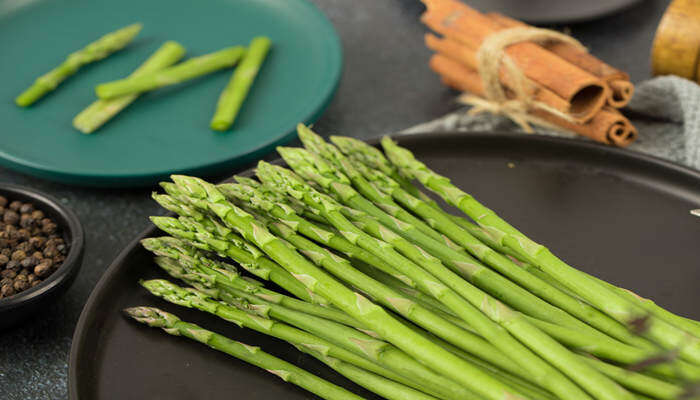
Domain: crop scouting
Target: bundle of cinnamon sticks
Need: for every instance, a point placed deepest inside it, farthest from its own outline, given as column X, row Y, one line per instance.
column 577, row 91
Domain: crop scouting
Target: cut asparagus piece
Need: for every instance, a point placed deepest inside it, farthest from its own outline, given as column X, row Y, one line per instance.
column 101, row 111
column 94, row 51
column 353, row 303
column 232, row 97
column 172, row 325
column 186, row 70
column 598, row 295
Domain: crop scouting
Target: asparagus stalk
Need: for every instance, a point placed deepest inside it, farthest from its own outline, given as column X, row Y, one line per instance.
column 355, row 304
column 362, row 344
column 396, row 302
column 640, row 383
column 525, row 332
column 391, row 299
column 265, row 200
column 94, row 51
column 601, row 297
column 256, row 320
column 502, row 316
column 171, row 324
column 234, row 94
column 384, row 387
column 459, row 262
column 101, row 111
column 225, row 276
column 374, row 158
column 344, row 173
column 535, row 306
column 184, row 71
column 214, row 237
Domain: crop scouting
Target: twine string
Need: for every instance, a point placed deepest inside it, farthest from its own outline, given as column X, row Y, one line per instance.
column 491, row 57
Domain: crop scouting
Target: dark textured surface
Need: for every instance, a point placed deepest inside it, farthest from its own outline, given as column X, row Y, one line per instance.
column 386, row 86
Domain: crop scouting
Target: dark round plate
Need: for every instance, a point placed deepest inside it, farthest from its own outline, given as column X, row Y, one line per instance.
column 620, row 215
column 550, row 12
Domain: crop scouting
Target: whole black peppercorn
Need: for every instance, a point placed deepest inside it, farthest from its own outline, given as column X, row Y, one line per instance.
column 31, row 278
column 3, row 259
column 3, row 201
column 10, row 217
column 42, row 269
column 26, row 208
column 29, row 262
column 50, row 252
column 38, row 254
column 8, row 273
column 18, row 255
column 6, row 251
column 37, row 215
column 6, row 281
column 23, row 234
column 49, row 228
column 21, row 283
column 26, row 221
column 7, row 290
column 25, row 247
column 15, row 205
column 37, row 241
column 12, row 265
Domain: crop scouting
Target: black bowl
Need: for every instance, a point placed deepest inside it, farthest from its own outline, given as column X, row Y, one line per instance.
column 15, row 309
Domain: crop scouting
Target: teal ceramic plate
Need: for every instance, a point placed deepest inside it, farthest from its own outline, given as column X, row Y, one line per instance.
column 166, row 131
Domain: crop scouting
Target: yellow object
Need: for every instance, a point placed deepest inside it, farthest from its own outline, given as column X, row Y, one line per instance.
column 676, row 47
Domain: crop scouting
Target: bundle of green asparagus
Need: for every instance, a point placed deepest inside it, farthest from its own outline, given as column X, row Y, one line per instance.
column 391, row 291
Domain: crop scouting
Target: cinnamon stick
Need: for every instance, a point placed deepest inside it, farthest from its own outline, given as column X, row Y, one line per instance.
column 466, row 56
column 607, row 125
column 585, row 92
column 621, row 88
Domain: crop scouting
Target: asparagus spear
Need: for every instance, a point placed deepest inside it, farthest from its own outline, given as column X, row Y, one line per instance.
column 345, row 174
column 391, row 299
column 442, row 222
column 355, row 304
column 234, row 94
column 254, row 317
column 265, row 200
column 375, row 159
column 184, row 71
column 171, row 324
column 218, row 239
column 101, row 111
column 601, row 297
column 475, row 272
column 444, row 291
column 225, row 276
column 95, row 51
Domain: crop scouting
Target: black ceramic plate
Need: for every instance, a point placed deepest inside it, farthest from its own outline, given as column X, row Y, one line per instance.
column 552, row 11
column 620, row 215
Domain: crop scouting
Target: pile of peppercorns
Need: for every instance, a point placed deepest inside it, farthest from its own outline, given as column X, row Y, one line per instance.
column 31, row 247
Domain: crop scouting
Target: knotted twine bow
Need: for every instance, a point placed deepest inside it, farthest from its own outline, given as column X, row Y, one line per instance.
column 490, row 56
